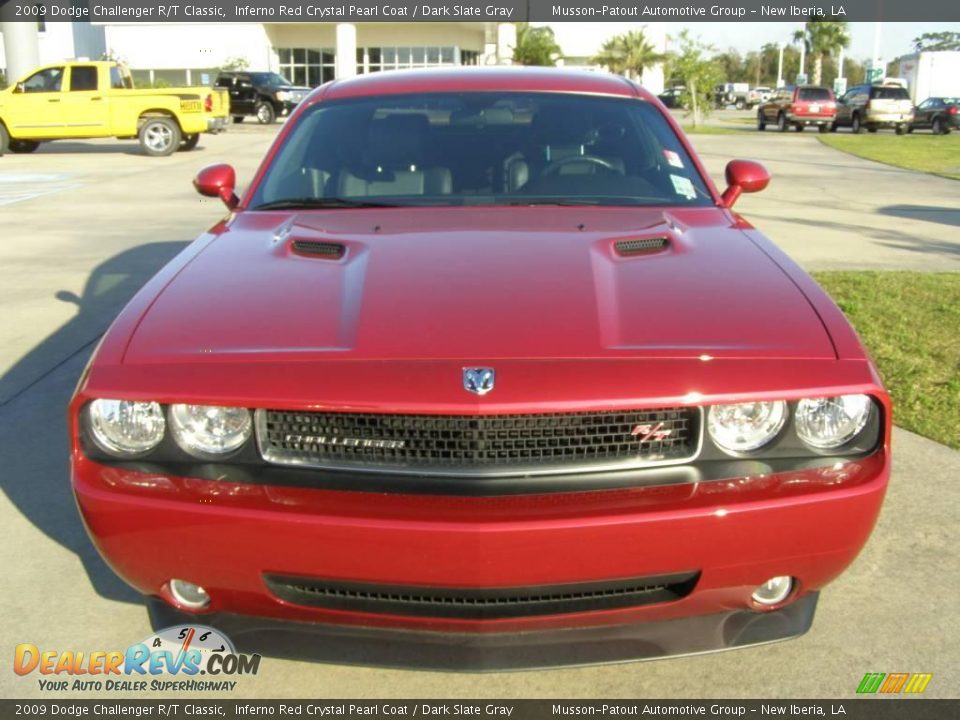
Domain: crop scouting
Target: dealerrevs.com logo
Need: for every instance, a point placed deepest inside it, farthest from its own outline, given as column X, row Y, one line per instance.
column 184, row 652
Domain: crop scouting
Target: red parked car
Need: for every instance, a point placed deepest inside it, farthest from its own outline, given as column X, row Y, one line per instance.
column 798, row 107
column 481, row 371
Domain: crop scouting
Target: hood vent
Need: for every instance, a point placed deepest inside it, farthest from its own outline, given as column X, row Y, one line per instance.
column 641, row 246
column 316, row 248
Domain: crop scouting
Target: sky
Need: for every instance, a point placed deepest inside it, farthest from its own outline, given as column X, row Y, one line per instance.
column 582, row 39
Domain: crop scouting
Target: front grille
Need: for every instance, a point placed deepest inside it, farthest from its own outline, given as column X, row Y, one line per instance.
column 481, row 603
column 480, row 445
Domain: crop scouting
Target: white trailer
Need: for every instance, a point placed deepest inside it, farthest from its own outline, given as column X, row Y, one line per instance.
column 931, row 74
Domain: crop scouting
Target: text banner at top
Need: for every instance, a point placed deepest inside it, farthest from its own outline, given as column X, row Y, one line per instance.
column 686, row 11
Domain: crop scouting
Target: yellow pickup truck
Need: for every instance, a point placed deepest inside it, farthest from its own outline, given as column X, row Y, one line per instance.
column 86, row 99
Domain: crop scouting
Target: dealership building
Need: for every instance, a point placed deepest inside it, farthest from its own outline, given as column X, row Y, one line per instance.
column 305, row 53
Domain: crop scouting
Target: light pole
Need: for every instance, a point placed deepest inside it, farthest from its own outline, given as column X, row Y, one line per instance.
column 780, row 66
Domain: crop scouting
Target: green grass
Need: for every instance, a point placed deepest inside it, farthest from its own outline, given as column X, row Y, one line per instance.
column 710, row 130
column 910, row 323
column 921, row 151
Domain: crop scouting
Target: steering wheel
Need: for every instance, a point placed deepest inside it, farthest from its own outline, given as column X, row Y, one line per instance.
column 554, row 167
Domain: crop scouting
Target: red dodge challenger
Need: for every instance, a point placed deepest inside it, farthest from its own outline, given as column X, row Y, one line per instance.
column 481, row 372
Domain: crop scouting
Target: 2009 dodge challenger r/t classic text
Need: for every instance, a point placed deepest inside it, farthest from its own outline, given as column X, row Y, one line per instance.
column 481, row 371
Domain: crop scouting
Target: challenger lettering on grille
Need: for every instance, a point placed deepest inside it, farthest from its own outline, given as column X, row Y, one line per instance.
column 480, row 444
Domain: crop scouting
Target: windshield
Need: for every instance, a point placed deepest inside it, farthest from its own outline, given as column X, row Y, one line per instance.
column 815, row 94
column 481, row 149
column 269, row 79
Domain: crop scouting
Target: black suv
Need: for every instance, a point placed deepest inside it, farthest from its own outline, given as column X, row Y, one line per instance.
column 265, row 95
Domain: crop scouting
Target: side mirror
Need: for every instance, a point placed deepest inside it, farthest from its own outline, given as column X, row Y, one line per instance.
column 218, row 181
column 20, row 87
column 743, row 176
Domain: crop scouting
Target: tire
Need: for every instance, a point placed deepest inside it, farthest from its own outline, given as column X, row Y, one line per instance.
column 761, row 122
column 238, row 119
column 871, row 129
column 4, row 139
column 189, row 142
column 855, row 126
column 937, row 126
column 909, row 129
column 22, row 147
column 823, row 129
column 266, row 115
column 833, row 126
column 159, row 136
column 798, row 127
column 901, row 130
column 739, row 105
column 782, row 122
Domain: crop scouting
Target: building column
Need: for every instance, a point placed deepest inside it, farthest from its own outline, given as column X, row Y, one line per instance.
column 506, row 42
column 21, row 45
column 346, row 63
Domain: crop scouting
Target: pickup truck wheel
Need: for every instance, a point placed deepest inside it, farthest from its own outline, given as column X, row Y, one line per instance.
column 265, row 113
column 190, row 141
column 761, row 121
column 4, row 139
column 739, row 105
column 238, row 119
column 901, row 129
column 855, row 126
column 782, row 122
column 159, row 136
column 23, row 146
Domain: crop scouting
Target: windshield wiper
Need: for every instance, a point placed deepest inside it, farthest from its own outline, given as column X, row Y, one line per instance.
column 322, row 203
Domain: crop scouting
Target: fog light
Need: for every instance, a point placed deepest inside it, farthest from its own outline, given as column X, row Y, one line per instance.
column 774, row 591
column 188, row 595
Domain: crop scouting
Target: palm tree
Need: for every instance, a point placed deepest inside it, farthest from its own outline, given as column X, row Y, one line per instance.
column 822, row 38
column 628, row 54
column 536, row 46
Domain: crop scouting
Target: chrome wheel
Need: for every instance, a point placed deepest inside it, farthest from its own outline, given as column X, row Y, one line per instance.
column 160, row 136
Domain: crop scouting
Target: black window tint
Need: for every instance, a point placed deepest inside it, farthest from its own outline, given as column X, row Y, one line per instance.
column 83, row 78
column 889, row 93
column 814, row 94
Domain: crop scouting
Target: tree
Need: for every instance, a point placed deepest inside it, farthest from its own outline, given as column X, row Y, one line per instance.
column 536, row 46
column 233, row 64
column 697, row 73
column 629, row 54
column 822, row 38
column 937, row 41
column 732, row 66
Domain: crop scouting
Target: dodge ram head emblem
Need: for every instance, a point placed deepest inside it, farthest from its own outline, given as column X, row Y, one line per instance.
column 478, row 380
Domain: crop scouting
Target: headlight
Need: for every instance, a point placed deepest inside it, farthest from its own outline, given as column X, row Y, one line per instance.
column 205, row 430
column 282, row 95
column 826, row 423
column 746, row 426
column 126, row 428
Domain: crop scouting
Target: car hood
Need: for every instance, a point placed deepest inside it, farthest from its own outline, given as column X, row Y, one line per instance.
column 478, row 285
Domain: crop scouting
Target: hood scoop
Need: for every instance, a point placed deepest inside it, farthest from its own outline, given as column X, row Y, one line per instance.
column 318, row 248
column 641, row 246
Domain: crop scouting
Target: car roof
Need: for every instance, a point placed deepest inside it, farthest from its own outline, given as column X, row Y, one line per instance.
column 473, row 79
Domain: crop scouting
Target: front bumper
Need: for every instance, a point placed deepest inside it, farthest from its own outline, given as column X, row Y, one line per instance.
column 734, row 534
column 475, row 652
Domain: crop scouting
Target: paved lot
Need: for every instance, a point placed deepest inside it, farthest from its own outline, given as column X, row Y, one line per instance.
column 84, row 225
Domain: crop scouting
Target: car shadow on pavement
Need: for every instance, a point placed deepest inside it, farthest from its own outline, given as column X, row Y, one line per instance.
column 131, row 147
column 33, row 399
column 942, row 215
